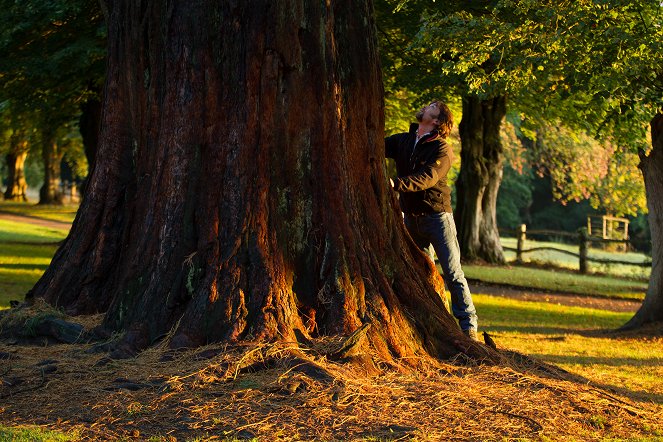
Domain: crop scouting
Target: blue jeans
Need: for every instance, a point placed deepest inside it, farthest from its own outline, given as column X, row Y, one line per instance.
column 439, row 230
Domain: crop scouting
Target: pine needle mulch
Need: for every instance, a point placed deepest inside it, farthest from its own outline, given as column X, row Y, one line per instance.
column 279, row 392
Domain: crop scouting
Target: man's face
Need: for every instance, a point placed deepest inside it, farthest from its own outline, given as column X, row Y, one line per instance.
column 431, row 116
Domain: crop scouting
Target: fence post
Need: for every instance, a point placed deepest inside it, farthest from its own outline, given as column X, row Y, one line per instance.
column 583, row 239
column 521, row 243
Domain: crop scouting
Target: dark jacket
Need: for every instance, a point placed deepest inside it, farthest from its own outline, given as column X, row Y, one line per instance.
column 422, row 171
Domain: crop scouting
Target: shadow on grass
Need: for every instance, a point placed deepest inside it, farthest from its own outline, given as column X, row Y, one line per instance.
column 40, row 267
column 635, row 395
column 532, row 329
column 598, row 360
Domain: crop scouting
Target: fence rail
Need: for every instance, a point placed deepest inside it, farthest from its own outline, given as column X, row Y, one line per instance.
column 583, row 240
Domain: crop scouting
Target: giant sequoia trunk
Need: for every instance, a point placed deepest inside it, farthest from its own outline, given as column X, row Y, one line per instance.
column 479, row 179
column 239, row 191
column 652, row 171
column 17, row 187
column 51, row 154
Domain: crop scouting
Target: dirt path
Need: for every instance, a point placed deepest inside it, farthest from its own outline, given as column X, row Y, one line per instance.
column 525, row 294
column 51, row 224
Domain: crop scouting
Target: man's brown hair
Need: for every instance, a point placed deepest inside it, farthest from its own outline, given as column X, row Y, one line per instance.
column 446, row 119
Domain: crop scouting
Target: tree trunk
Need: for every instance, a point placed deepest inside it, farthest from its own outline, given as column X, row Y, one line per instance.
column 652, row 171
column 239, row 190
column 50, row 192
column 89, row 125
column 479, row 179
column 17, row 187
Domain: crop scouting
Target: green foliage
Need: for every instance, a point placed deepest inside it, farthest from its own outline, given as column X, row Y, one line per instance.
column 590, row 64
column 409, row 73
column 583, row 168
column 50, row 52
column 514, row 198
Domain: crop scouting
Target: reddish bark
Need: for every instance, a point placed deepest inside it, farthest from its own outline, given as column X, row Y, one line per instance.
column 479, row 179
column 239, row 190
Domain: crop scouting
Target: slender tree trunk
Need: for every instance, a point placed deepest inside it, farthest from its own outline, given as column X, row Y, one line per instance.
column 479, row 179
column 652, row 171
column 17, row 186
column 239, row 190
column 50, row 192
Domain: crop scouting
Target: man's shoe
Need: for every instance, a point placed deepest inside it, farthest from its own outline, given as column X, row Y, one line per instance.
column 471, row 333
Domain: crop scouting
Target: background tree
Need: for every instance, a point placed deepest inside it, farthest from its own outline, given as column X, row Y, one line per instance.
column 52, row 64
column 14, row 144
column 239, row 190
column 603, row 65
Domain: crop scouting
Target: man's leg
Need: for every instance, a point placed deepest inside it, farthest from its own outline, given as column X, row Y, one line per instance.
column 440, row 229
column 421, row 241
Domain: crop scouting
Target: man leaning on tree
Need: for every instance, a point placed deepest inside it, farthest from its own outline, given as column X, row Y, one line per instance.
column 423, row 159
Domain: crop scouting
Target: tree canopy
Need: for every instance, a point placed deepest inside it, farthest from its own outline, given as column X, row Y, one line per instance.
column 590, row 64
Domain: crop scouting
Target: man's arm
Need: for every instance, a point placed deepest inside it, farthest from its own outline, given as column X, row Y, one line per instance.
column 437, row 167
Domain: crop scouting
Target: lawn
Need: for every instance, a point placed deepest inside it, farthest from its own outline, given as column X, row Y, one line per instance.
column 20, row 267
column 11, row 231
column 32, row 434
column 579, row 340
column 25, row 252
column 65, row 213
column 558, row 280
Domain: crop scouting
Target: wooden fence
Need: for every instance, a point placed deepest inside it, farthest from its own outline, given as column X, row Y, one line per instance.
column 582, row 238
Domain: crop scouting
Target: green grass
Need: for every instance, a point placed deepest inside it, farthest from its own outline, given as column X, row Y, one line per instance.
column 32, row 434
column 579, row 340
column 21, row 265
column 65, row 213
column 20, row 268
column 558, row 281
column 12, row 231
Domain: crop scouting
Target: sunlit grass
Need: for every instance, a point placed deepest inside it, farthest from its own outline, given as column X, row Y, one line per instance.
column 32, row 434
column 558, row 281
column 579, row 340
column 65, row 213
column 21, row 266
column 12, row 231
